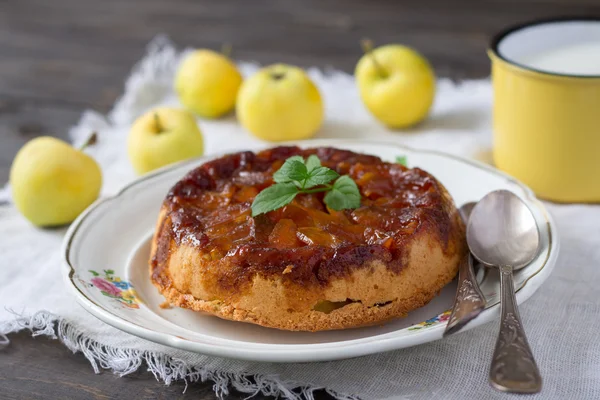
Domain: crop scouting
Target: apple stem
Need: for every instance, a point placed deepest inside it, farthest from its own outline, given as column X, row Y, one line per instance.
column 157, row 125
column 90, row 141
column 226, row 49
column 367, row 46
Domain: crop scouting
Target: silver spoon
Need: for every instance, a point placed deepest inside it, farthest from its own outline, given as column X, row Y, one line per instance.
column 502, row 233
column 469, row 301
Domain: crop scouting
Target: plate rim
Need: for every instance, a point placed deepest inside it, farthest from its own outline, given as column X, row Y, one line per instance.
column 299, row 352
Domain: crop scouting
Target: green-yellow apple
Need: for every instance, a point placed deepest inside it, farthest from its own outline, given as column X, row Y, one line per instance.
column 207, row 83
column 279, row 103
column 52, row 182
column 396, row 83
column 163, row 136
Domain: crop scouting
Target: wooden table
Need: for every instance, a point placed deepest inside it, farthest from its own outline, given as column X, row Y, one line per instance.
column 61, row 57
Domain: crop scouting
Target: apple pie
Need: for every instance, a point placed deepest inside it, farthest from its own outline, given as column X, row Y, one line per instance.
column 304, row 266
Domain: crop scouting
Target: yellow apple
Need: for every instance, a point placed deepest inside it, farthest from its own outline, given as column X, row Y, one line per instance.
column 163, row 136
column 207, row 83
column 279, row 103
column 52, row 182
column 396, row 83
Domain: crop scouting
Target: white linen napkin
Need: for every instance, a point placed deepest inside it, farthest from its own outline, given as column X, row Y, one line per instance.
column 562, row 319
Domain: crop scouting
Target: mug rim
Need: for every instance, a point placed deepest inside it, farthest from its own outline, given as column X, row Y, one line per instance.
column 500, row 36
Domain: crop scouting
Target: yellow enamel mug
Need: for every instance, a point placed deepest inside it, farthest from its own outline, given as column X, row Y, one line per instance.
column 546, row 80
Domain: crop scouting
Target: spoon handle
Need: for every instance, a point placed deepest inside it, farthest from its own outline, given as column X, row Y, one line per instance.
column 513, row 366
column 469, row 301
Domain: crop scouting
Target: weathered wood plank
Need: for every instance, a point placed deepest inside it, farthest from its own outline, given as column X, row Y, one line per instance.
column 80, row 51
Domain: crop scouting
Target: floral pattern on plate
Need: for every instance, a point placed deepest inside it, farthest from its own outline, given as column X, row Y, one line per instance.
column 438, row 319
column 114, row 287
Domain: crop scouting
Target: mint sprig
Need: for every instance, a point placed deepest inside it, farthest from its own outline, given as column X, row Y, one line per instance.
column 299, row 176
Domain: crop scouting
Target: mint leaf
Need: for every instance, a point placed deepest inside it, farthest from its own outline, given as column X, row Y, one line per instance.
column 274, row 197
column 293, row 169
column 344, row 194
column 299, row 176
column 312, row 162
column 401, row 160
column 304, row 174
column 320, row 176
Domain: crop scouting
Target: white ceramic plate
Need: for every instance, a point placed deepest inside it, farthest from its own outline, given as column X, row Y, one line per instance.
column 106, row 251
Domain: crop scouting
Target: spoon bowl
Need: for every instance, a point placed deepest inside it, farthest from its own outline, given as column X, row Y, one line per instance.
column 503, row 231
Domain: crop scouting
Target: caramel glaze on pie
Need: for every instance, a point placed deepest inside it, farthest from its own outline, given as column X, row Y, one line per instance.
column 304, row 266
